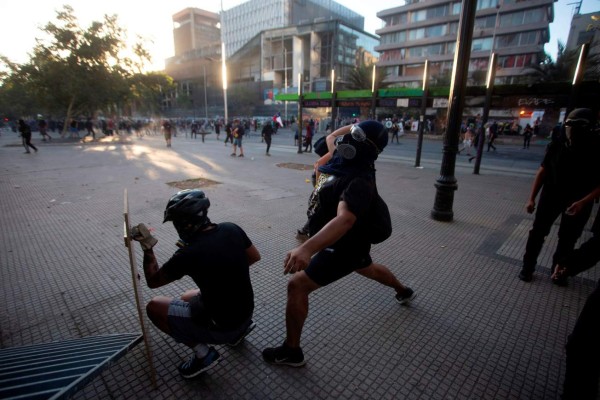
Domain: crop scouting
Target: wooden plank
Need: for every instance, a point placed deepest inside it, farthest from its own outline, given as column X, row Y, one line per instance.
column 135, row 278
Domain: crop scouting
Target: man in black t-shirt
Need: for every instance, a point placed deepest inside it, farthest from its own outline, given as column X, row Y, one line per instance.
column 569, row 172
column 217, row 258
column 238, row 133
column 339, row 228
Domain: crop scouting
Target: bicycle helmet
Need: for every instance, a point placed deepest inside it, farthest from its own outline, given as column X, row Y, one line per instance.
column 188, row 210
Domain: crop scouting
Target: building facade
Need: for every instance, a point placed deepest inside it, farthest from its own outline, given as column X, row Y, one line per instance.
column 242, row 23
column 315, row 37
column 426, row 30
column 585, row 28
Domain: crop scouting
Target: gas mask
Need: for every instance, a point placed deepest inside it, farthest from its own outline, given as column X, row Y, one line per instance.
column 355, row 142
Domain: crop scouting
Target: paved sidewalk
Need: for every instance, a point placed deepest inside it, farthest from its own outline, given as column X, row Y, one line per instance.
column 474, row 331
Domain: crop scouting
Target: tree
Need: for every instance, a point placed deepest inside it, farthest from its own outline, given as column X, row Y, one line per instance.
column 76, row 71
column 361, row 78
column 562, row 70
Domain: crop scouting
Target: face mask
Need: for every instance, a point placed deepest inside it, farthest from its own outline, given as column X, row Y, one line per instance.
column 346, row 145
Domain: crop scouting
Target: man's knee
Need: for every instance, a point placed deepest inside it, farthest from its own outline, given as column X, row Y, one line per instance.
column 301, row 285
column 157, row 310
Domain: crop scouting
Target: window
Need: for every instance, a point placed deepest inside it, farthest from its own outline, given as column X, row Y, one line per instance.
column 485, row 22
column 456, row 8
column 528, row 38
column 436, row 12
column 482, row 44
column 417, row 16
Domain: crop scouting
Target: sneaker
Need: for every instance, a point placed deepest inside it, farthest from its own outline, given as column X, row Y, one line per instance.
column 195, row 366
column 284, row 355
column 241, row 155
column 561, row 281
column 525, row 275
column 232, row 154
column 406, row 297
column 243, row 336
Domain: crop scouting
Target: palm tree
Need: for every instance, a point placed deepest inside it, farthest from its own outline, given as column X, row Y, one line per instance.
column 561, row 70
column 361, row 78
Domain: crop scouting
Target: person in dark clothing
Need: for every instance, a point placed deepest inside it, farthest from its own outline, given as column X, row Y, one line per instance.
column 583, row 345
column 527, row 134
column 309, row 136
column 25, row 131
column 217, row 257
column 267, row 132
column 339, row 242
column 89, row 127
column 43, row 127
column 228, row 133
column 493, row 136
column 568, row 173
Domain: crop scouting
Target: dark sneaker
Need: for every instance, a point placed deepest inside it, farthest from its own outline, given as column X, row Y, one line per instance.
column 195, row 366
column 243, row 336
column 526, row 276
column 284, row 355
column 406, row 297
column 561, row 281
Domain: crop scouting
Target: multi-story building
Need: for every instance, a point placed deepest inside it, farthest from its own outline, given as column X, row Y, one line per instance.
column 243, row 22
column 426, row 30
column 585, row 28
column 195, row 66
column 313, row 38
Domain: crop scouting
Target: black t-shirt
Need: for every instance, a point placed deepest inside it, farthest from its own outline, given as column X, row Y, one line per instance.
column 571, row 172
column 239, row 131
column 216, row 260
column 358, row 193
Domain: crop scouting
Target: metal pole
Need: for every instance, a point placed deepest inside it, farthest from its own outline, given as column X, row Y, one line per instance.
column 422, row 117
column 578, row 77
column 223, row 69
column 285, row 79
column 333, row 96
column 300, row 98
column 446, row 184
column 205, row 98
column 486, row 111
column 373, row 94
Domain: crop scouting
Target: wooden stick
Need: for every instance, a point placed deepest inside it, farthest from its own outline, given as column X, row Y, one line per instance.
column 135, row 278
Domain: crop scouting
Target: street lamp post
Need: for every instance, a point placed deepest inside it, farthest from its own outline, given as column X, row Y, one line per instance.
column 373, row 95
column 205, row 98
column 489, row 88
column 300, row 96
column 285, row 80
column 333, row 113
column 224, row 74
column 578, row 76
column 423, row 112
column 446, row 184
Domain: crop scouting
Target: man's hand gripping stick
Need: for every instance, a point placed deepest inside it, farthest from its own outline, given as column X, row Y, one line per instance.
column 140, row 233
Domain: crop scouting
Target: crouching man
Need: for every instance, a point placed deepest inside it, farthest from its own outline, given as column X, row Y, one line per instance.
column 217, row 257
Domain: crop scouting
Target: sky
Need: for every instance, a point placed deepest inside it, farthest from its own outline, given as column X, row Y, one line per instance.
column 152, row 20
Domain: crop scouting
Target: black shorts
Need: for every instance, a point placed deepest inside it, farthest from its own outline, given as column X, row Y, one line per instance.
column 330, row 264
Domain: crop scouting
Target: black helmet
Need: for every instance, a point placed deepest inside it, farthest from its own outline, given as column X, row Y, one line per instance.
column 190, row 205
column 376, row 133
column 580, row 117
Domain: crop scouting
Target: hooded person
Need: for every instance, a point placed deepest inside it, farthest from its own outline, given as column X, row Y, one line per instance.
column 340, row 231
column 567, row 174
column 217, row 257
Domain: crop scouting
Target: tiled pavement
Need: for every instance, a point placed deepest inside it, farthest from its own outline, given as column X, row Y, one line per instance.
column 474, row 332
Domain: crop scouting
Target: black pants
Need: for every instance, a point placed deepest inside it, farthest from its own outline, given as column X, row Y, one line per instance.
column 583, row 345
column 569, row 231
column 27, row 143
column 526, row 141
column 268, row 142
column 307, row 144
